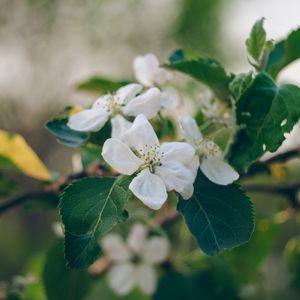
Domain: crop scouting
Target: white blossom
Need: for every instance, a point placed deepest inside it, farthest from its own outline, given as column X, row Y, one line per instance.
column 133, row 261
column 127, row 101
column 149, row 74
column 211, row 159
column 160, row 168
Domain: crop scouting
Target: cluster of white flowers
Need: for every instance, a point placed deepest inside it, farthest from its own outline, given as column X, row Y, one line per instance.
column 134, row 147
column 133, row 261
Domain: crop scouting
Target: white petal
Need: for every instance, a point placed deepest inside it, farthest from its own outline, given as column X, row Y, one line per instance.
column 127, row 92
column 119, row 126
column 178, row 151
column 148, row 104
column 120, row 157
column 193, row 165
column 137, row 237
column 149, row 188
column 141, row 135
column 170, row 98
column 102, row 102
column 218, row 171
column 115, row 248
column 88, row 120
column 156, row 249
column 175, row 176
column 190, row 129
column 145, row 68
column 146, row 278
column 187, row 192
column 121, row 278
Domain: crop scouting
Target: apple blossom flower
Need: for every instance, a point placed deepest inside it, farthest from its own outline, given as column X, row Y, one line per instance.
column 149, row 74
column 212, row 162
column 127, row 101
column 133, row 261
column 160, row 168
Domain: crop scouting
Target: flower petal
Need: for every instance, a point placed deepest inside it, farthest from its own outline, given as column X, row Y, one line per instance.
column 88, row 120
column 102, row 102
column 145, row 68
column 190, row 130
column 149, row 188
column 119, row 126
column 120, row 157
column 141, row 135
column 218, row 171
column 148, row 104
column 156, row 250
column 170, row 98
column 177, row 151
column 146, row 278
column 193, row 165
column 137, row 237
column 115, row 248
column 127, row 92
column 122, row 278
column 175, row 176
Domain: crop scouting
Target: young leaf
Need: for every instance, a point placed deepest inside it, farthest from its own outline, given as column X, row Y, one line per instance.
column 257, row 40
column 89, row 208
column 60, row 282
column 209, row 72
column 240, row 84
column 101, row 85
column 265, row 112
column 284, row 52
column 65, row 135
column 14, row 151
column 219, row 217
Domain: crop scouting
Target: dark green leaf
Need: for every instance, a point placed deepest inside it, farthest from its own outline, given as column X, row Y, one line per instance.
column 101, row 85
column 265, row 113
column 7, row 164
column 89, row 208
column 219, row 217
column 62, row 283
column 65, row 135
column 284, row 52
column 209, row 72
column 240, row 84
column 257, row 40
column 202, row 285
column 177, row 56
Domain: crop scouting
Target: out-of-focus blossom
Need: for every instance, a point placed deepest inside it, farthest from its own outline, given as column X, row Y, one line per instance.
column 133, row 261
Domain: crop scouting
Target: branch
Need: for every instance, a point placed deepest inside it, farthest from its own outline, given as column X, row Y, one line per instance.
column 52, row 189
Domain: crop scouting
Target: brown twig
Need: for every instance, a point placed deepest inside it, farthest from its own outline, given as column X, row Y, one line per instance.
column 53, row 188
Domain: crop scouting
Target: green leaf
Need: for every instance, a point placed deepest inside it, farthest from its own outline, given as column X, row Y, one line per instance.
column 89, row 208
column 62, row 283
column 284, row 52
column 201, row 285
column 209, row 72
column 101, row 85
column 219, row 217
column 240, row 84
column 264, row 114
column 65, row 135
column 177, row 56
column 257, row 40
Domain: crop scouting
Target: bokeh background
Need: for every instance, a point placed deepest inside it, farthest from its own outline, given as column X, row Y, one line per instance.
column 48, row 46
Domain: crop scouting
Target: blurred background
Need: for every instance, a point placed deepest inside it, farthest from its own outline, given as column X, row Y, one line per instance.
column 48, row 46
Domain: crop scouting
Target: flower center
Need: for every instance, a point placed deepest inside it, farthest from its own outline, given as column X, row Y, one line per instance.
column 206, row 148
column 151, row 155
column 114, row 107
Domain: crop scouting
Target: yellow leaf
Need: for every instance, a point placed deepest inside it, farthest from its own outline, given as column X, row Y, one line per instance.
column 15, row 148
